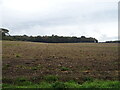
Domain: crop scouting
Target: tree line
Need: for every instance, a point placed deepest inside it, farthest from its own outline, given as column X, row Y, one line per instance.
column 46, row 39
column 117, row 41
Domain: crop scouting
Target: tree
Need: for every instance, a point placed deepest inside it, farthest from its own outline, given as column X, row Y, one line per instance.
column 83, row 37
column 3, row 31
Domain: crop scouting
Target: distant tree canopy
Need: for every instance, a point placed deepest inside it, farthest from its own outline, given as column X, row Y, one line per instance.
column 117, row 41
column 48, row 39
column 4, row 31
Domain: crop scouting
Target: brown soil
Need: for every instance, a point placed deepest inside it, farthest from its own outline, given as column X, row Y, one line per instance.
column 36, row 60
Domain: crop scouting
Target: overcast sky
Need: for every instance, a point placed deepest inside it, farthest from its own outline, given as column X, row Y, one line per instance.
column 90, row 18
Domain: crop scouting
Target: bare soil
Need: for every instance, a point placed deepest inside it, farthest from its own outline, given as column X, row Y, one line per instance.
column 83, row 60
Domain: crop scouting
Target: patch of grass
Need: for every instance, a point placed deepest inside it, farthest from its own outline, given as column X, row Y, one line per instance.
column 90, row 79
column 51, row 78
column 6, row 66
column 101, row 84
column 17, row 55
column 58, row 85
column 22, row 81
column 36, row 78
column 36, row 67
column 28, row 67
column 21, row 66
column 0, row 85
column 44, row 85
column 31, row 85
column 8, row 86
column 116, row 63
column 7, row 80
column 70, row 84
column 64, row 68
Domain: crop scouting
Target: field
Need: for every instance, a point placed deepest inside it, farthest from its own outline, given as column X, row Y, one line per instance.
column 29, row 62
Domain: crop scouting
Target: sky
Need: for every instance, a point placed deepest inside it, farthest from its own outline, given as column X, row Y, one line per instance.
column 90, row 18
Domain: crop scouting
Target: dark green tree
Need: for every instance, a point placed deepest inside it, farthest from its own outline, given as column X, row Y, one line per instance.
column 4, row 32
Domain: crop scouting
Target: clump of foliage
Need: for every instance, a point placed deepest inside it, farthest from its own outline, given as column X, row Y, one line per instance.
column 51, row 78
column 88, row 79
column 17, row 55
column 64, row 68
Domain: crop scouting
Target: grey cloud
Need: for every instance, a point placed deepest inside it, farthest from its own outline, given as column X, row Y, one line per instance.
column 63, row 19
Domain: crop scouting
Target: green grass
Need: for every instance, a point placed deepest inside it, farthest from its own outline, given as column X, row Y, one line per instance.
column 6, row 66
column 22, row 81
column 28, row 67
column 31, row 85
column 64, row 68
column 88, row 79
column 102, row 84
column 70, row 84
column 51, row 78
column 17, row 55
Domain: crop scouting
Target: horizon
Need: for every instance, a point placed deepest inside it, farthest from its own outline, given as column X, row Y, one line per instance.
column 59, row 36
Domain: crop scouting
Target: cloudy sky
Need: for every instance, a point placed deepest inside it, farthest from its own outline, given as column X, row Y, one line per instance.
column 90, row 18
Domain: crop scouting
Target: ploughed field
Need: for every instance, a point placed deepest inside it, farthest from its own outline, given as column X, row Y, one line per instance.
column 67, row 61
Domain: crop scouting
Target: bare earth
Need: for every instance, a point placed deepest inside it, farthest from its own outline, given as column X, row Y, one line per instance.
column 36, row 60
